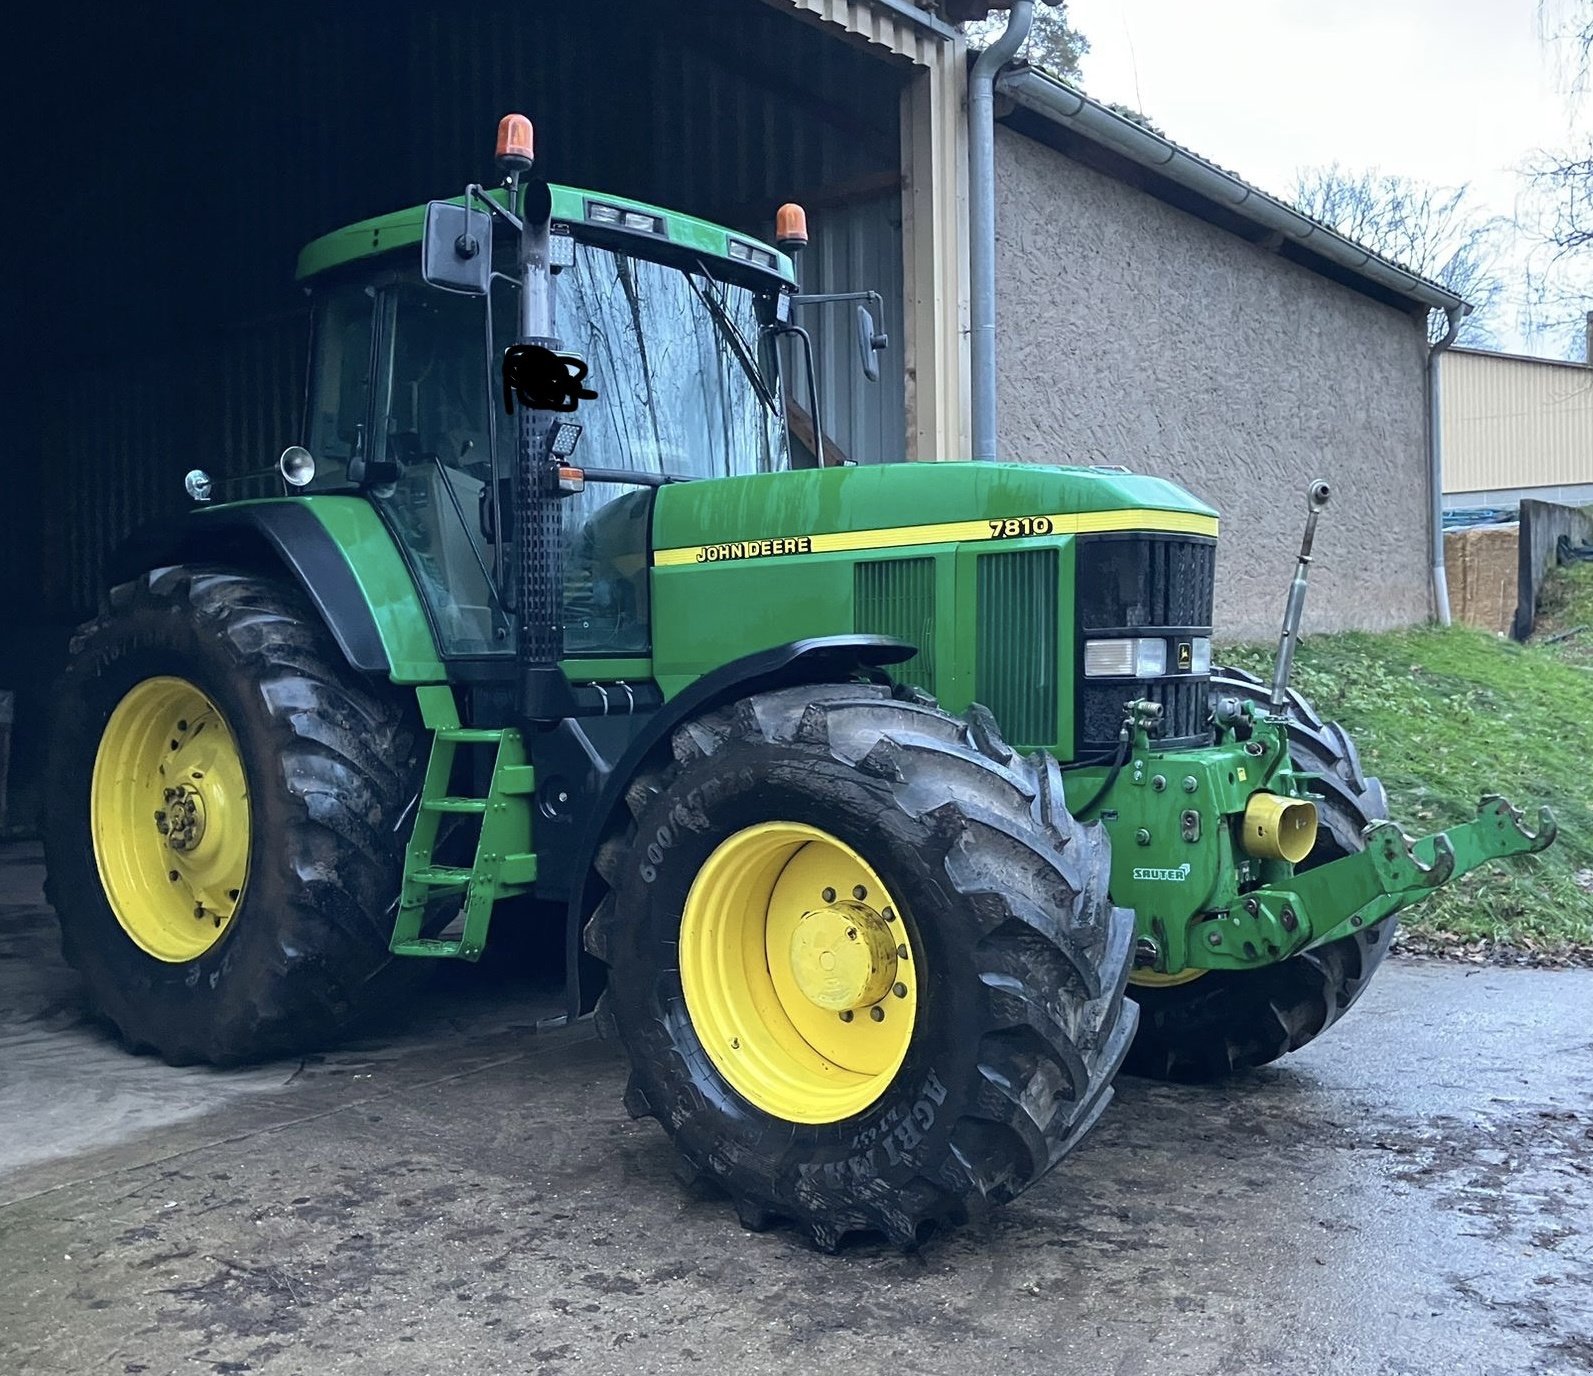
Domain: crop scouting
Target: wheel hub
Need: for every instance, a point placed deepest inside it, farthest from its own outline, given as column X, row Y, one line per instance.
column 182, row 820
column 843, row 957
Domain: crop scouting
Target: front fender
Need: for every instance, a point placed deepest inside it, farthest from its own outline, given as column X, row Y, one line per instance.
column 820, row 659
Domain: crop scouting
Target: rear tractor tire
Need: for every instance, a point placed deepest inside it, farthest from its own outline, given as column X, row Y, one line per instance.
column 226, row 818
column 1230, row 1020
column 862, row 960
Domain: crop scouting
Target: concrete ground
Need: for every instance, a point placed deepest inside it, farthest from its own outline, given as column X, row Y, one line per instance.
column 1414, row 1194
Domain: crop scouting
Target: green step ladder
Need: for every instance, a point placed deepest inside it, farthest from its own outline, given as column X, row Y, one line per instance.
column 502, row 868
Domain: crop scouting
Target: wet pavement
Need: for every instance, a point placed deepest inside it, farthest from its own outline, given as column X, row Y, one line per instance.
column 1413, row 1194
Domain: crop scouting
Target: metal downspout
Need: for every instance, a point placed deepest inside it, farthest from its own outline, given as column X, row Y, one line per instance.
column 1435, row 462
column 982, row 224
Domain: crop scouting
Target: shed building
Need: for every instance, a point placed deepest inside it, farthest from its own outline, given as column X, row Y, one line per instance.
column 1516, row 427
column 1153, row 310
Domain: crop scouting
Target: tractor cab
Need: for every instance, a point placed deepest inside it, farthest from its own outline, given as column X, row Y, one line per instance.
column 675, row 322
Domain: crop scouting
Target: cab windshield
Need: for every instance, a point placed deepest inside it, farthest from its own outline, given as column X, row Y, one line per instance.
column 404, row 376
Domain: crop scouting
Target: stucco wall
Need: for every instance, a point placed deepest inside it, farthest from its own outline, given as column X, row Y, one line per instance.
column 1132, row 333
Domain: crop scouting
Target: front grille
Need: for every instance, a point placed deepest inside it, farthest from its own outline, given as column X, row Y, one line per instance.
column 1016, row 660
column 1144, row 585
column 896, row 597
column 1130, row 582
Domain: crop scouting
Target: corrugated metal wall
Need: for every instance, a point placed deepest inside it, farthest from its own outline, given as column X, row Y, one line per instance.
column 1514, row 423
column 858, row 247
column 239, row 134
column 229, row 406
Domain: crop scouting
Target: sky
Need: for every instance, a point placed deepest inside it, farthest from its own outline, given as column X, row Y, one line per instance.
column 1445, row 91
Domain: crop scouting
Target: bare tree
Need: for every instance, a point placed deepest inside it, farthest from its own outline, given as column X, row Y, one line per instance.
column 1566, row 27
column 1564, row 176
column 1052, row 42
column 1432, row 230
column 1552, row 306
column 1566, row 180
column 1054, row 46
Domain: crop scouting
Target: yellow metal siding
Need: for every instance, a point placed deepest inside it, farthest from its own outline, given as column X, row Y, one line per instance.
column 1515, row 423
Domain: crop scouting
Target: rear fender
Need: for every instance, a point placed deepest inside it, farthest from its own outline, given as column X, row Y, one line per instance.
column 335, row 548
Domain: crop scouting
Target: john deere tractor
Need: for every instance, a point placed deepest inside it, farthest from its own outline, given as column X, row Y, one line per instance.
column 876, row 805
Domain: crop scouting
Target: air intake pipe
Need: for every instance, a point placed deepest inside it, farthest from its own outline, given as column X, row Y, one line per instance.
column 538, row 517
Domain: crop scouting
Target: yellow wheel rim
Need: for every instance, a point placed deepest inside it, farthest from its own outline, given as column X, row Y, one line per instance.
column 169, row 808
column 1154, row 979
column 799, row 976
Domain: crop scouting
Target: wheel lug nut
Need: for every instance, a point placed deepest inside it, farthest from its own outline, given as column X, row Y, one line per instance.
column 889, row 914
column 899, row 989
column 859, row 893
column 828, row 895
column 877, row 1013
column 901, row 951
column 846, row 1015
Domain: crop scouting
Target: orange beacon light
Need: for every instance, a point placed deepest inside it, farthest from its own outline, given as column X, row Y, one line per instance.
column 514, row 143
column 791, row 227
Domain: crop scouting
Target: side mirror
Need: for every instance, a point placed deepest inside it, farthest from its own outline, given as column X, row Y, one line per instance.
column 870, row 343
column 456, row 248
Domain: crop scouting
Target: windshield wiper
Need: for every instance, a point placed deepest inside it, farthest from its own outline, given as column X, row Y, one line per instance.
column 734, row 338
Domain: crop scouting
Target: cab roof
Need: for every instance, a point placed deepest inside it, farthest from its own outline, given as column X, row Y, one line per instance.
column 614, row 221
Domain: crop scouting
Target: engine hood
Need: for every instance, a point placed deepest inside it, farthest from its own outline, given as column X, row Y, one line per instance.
column 834, row 509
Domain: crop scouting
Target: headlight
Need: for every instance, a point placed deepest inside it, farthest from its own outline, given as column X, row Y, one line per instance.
column 1140, row 657
column 1200, row 655
column 751, row 253
column 621, row 218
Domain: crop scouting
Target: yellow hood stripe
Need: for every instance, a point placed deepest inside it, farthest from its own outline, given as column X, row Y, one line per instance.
column 947, row 532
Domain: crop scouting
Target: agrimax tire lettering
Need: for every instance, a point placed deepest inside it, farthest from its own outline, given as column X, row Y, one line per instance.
column 898, row 1132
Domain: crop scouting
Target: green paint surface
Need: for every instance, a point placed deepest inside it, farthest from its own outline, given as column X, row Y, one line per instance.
column 384, row 579
column 1172, row 874
column 602, row 670
column 829, row 500
column 402, row 229
column 707, row 613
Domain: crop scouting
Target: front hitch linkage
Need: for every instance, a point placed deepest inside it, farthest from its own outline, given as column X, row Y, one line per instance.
column 1335, row 900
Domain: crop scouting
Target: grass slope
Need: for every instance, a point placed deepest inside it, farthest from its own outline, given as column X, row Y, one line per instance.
column 1444, row 716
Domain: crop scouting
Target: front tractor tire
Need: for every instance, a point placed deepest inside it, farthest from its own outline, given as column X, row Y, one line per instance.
column 226, row 818
column 1228, row 1020
column 862, row 960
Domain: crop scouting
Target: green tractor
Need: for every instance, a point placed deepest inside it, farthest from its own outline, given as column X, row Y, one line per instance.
column 873, row 808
